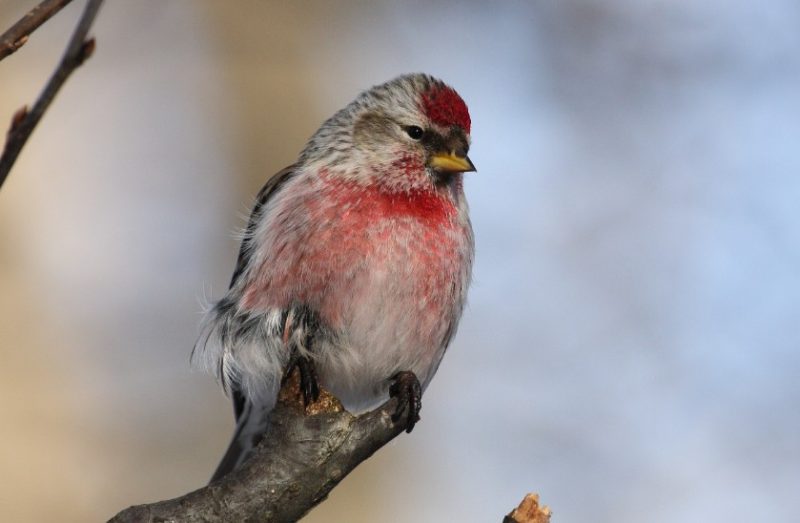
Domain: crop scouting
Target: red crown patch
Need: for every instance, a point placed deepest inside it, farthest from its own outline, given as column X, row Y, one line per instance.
column 444, row 107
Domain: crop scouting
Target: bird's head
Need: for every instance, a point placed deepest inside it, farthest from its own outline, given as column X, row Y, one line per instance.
column 410, row 131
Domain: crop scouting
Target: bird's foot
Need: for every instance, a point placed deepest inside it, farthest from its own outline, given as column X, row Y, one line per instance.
column 406, row 388
column 309, row 383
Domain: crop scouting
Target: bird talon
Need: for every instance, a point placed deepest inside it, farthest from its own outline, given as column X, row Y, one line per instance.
column 309, row 383
column 406, row 388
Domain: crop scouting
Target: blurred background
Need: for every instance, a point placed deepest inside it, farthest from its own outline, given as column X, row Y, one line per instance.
column 631, row 348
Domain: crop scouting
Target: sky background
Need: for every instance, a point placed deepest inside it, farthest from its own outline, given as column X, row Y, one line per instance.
column 631, row 346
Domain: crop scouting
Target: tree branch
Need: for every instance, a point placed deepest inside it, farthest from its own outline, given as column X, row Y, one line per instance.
column 306, row 452
column 18, row 34
column 24, row 121
column 303, row 456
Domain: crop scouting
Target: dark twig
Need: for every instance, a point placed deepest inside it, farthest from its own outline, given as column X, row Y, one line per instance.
column 24, row 121
column 16, row 37
column 294, row 468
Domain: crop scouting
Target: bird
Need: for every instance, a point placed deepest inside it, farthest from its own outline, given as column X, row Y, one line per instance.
column 354, row 265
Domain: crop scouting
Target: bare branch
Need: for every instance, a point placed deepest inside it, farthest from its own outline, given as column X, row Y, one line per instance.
column 18, row 34
column 306, row 452
column 294, row 468
column 23, row 123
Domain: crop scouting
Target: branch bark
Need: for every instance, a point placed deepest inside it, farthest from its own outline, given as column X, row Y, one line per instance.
column 18, row 34
column 24, row 121
column 302, row 457
column 305, row 453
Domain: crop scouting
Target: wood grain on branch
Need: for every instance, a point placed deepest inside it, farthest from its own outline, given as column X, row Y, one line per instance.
column 18, row 34
column 303, row 455
column 24, row 120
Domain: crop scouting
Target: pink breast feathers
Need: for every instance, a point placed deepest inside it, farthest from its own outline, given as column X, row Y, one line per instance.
column 357, row 223
column 395, row 231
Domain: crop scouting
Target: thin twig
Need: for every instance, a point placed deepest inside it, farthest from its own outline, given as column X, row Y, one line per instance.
column 24, row 121
column 16, row 37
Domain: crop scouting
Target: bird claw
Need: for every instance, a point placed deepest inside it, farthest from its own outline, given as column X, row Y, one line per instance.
column 406, row 388
column 309, row 383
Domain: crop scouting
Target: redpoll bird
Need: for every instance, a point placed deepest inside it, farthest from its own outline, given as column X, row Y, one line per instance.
column 355, row 263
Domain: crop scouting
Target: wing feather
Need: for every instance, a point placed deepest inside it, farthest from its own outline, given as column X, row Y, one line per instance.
column 270, row 189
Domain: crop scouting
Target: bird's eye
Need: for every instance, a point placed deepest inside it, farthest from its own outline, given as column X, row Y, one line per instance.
column 414, row 132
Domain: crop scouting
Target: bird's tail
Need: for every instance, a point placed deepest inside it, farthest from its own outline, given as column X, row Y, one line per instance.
column 251, row 425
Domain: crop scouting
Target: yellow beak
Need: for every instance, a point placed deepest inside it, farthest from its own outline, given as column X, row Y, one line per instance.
column 449, row 162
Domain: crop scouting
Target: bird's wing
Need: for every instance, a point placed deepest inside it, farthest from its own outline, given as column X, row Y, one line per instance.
column 250, row 418
column 270, row 189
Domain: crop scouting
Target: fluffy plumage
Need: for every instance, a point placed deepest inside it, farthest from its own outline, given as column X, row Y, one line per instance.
column 357, row 257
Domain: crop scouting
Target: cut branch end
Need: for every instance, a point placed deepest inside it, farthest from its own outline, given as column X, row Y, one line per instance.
column 529, row 511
